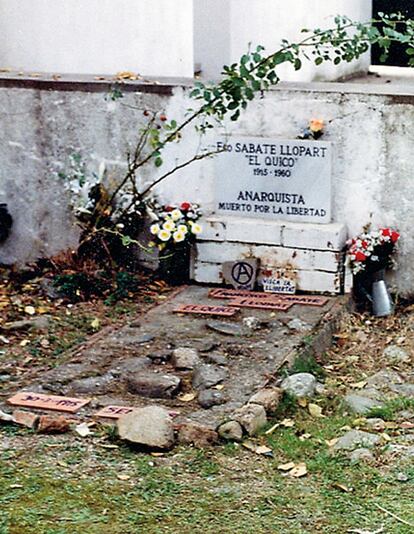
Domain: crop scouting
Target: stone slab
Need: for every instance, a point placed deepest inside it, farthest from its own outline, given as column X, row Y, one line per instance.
column 241, row 274
column 114, row 412
column 271, row 257
column 306, row 236
column 278, row 179
column 48, row 402
column 200, row 309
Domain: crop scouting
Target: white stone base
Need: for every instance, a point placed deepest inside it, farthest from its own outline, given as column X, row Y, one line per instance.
column 314, row 252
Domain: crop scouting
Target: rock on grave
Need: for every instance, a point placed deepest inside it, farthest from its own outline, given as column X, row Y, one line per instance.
column 396, row 354
column 269, row 398
column 197, row 435
column 359, row 404
column 252, row 417
column 151, row 426
column 228, row 329
column 356, row 439
column 231, row 430
column 216, row 358
column 210, row 397
column 241, row 274
column 208, row 375
column 153, row 385
column 185, row 358
column 132, row 365
column 23, row 418
column 361, row 455
column 300, row 385
column 93, row 385
column 52, row 424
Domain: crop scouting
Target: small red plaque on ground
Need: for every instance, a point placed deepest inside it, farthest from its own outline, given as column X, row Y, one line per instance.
column 206, row 310
column 222, row 293
column 262, row 304
column 114, row 412
column 308, row 300
column 47, row 402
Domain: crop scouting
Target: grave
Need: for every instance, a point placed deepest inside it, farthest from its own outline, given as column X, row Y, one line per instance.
column 273, row 202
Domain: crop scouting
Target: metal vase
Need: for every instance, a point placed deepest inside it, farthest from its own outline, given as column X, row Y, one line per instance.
column 381, row 301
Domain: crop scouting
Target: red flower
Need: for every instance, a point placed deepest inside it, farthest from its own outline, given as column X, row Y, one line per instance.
column 360, row 256
column 395, row 236
column 364, row 244
column 168, row 208
column 185, row 206
column 386, row 232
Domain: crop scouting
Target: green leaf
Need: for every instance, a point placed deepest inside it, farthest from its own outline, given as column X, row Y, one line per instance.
column 235, row 116
column 298, row 64
column 318, row 60
column 158, row 161
column 126, row 240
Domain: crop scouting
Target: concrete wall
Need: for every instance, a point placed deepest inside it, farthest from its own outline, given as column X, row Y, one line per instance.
column 151, row 37
column 372, row 172
column 223, row 29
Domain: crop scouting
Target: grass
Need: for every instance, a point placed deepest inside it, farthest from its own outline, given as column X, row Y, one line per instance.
column 390, row 409
column 53, row 485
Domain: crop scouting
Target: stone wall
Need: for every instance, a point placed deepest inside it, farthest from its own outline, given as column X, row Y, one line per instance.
column 370, row 126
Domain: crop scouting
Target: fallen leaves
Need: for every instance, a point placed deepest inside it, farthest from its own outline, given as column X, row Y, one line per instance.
column 294, row 470
column 315, row 410
column 187, row 397
column 258, row 449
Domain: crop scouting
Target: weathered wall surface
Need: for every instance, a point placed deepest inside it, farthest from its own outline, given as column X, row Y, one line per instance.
column 372, row 132
column 154, row 38
column 232, row 24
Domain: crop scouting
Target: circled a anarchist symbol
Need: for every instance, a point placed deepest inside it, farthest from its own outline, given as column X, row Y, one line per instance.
column 242, row 273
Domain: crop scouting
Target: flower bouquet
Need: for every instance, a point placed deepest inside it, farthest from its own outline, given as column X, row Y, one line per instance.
column 174, row 230
column 369, row 255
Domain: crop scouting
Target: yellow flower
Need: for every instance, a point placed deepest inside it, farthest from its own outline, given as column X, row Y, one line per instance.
column 182, row 228
column 164, row 235
column 316, row 125
column 151, row 244
column 178, row 236
column 196, row 229
column 176, row 214
column 169, row 225
column 154, row 229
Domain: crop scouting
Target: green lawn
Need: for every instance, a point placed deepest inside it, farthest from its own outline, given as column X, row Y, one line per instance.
column 59, row 485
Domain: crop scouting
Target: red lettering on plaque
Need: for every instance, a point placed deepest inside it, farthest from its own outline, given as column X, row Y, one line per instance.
column 48, row 402
column 114, row 412
column 262, row 304
column 307, row 300
column 206, row 310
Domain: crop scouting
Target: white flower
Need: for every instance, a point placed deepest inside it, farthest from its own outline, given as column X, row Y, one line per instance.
column 154, row 229
column 164, row 235
column 196, row 229
column 178, row 236
column 182, row 228
column 176, row 214
column 169, row 225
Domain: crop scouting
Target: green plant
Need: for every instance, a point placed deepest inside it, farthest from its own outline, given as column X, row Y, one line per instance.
column 305, row 362
column 112, row 215
column 390, row 409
